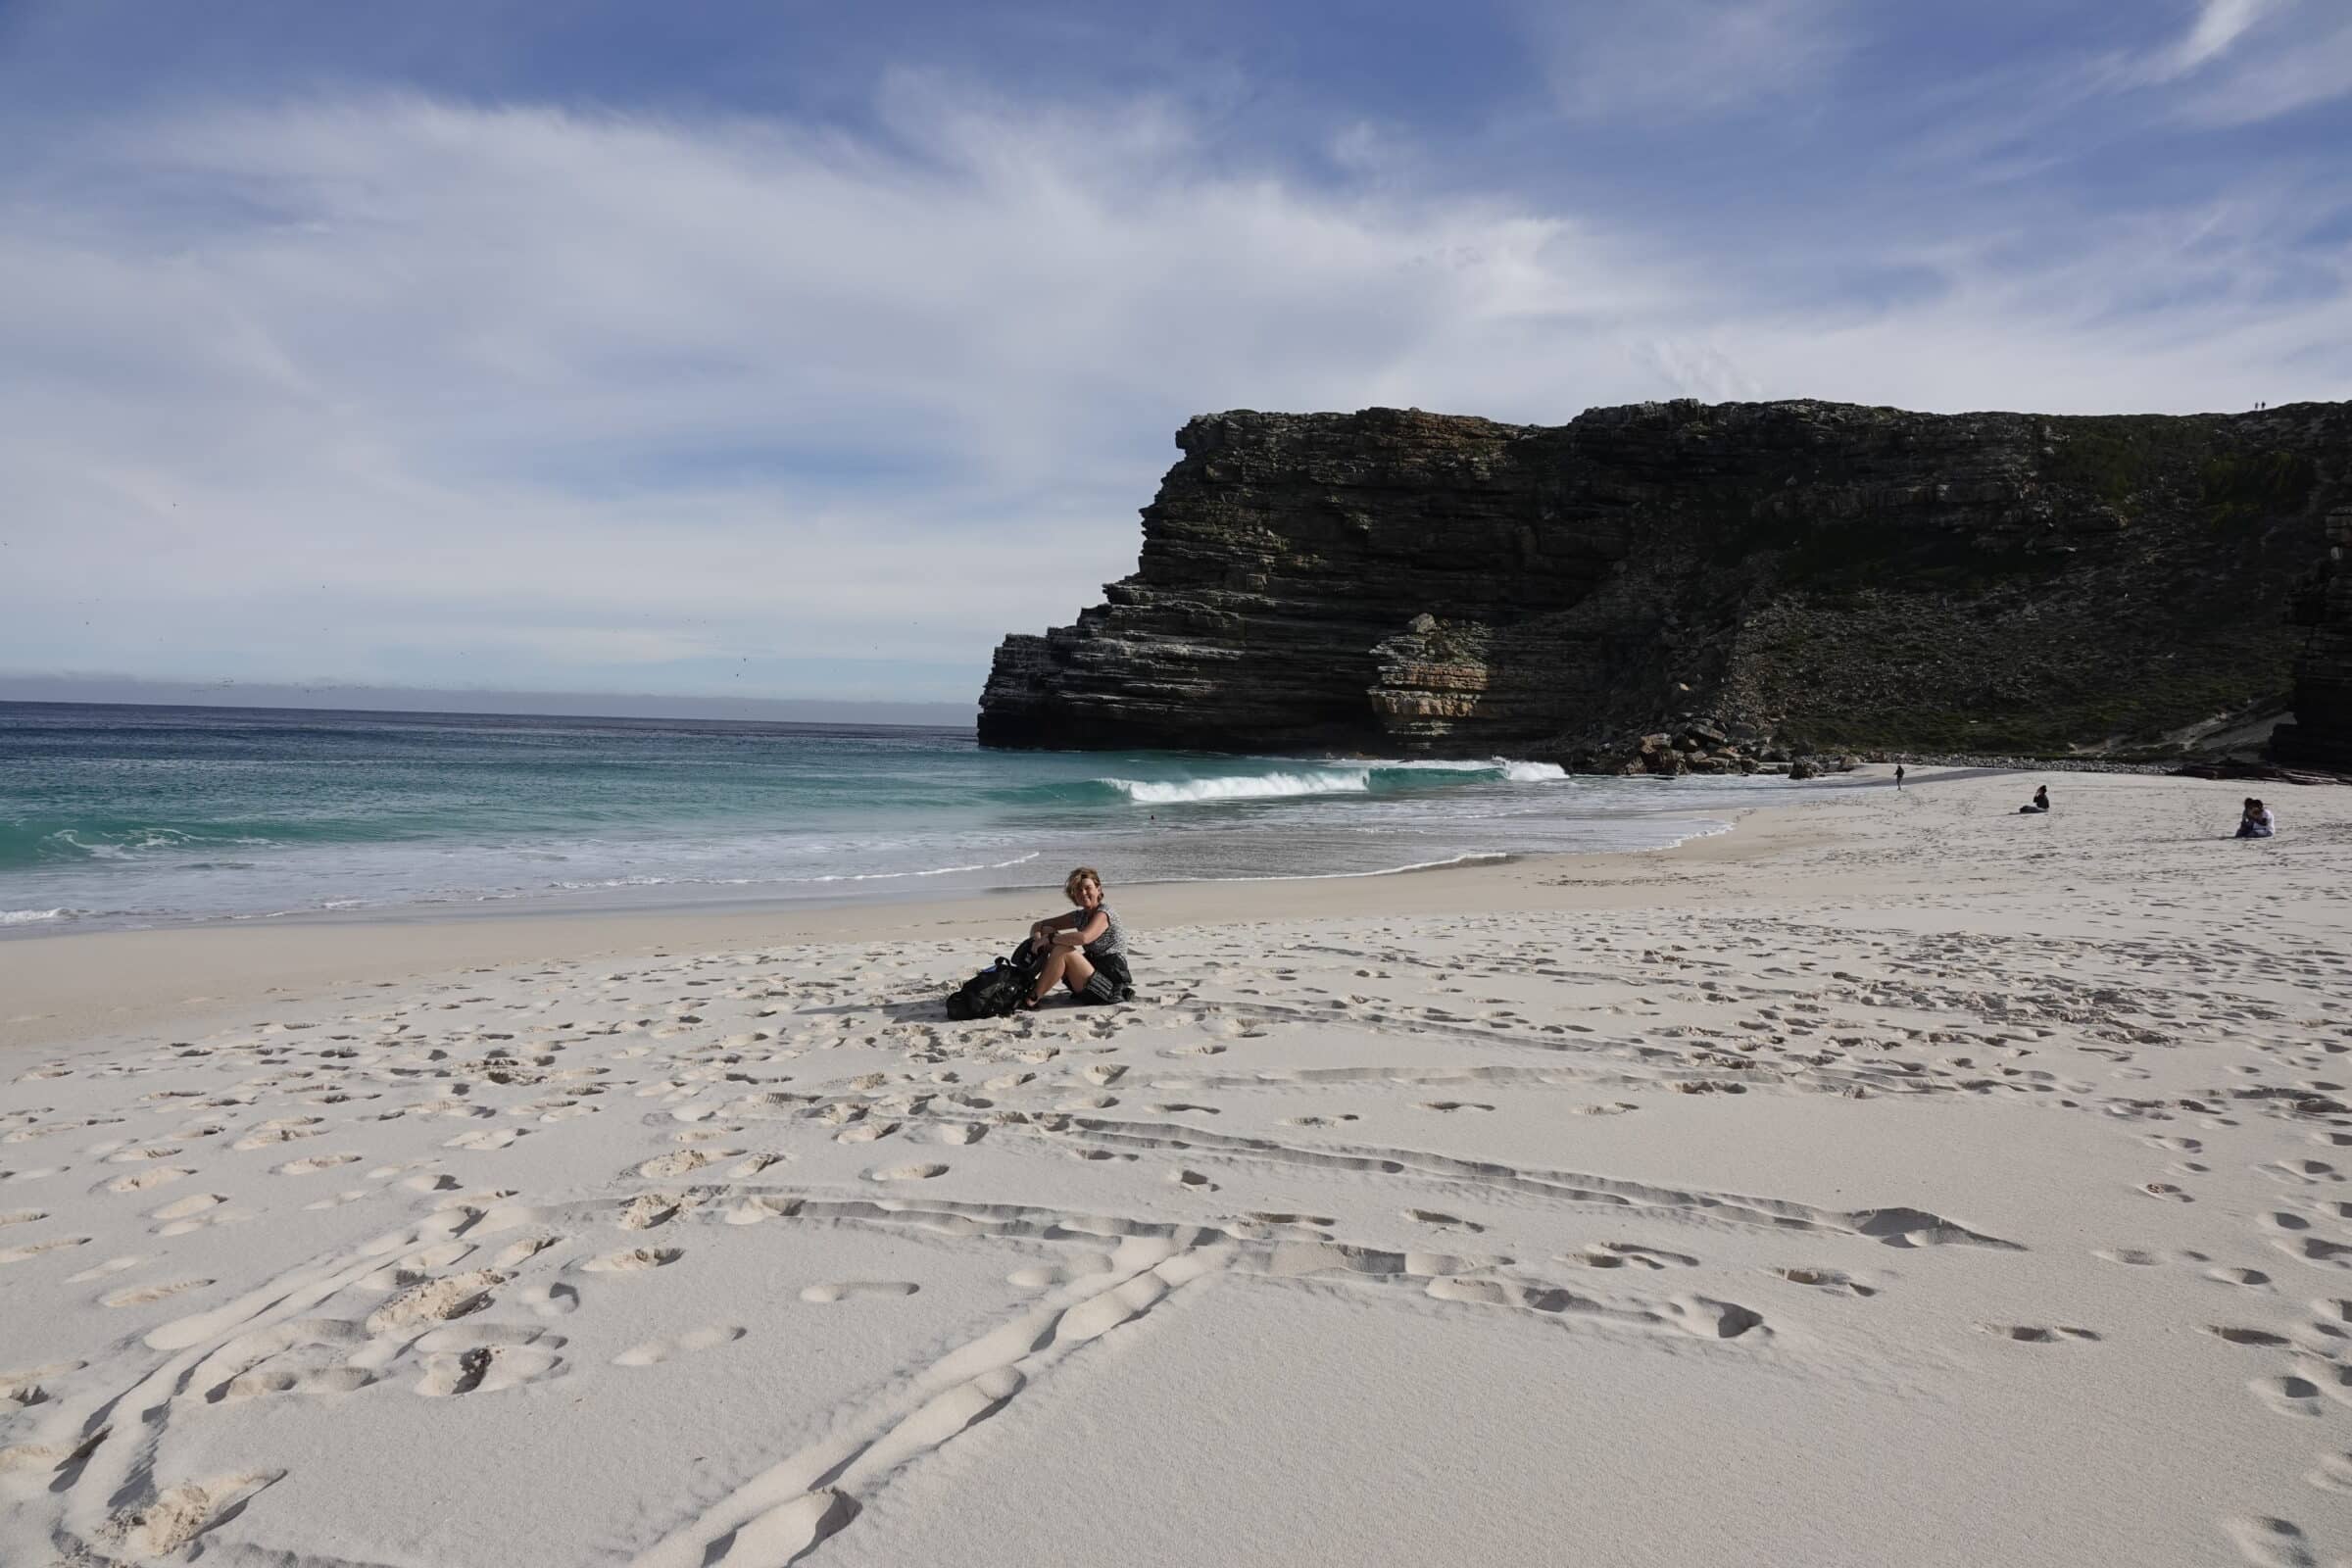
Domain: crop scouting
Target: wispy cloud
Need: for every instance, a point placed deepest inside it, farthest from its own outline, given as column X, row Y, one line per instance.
column 2238, row 62
column 2216, row 28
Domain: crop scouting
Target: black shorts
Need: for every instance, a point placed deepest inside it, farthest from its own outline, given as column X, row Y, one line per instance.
column 1110, row 981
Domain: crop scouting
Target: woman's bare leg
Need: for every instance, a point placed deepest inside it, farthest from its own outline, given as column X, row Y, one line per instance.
column 1063, row 965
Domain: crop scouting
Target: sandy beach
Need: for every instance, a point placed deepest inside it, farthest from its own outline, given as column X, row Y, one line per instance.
column 1891, row 1178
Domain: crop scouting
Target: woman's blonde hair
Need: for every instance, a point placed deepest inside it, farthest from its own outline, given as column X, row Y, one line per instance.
column 1071, row 883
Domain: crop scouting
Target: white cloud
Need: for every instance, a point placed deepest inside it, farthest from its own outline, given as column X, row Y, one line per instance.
column 370, row 390
column 2218, row 26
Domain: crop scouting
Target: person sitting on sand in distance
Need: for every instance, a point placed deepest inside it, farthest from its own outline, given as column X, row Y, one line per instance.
column 2040, row 801
column 1086, row 948
column 2255, row 820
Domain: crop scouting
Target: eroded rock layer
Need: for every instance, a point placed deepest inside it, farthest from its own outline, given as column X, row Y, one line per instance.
column 1799, row 573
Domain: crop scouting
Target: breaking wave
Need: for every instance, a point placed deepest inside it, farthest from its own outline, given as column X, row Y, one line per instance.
column 1367, row 778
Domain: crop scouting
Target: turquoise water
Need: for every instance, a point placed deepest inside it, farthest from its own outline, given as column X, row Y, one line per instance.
column 119, row 815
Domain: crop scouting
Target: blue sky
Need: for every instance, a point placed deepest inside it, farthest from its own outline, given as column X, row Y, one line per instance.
column 797, row 350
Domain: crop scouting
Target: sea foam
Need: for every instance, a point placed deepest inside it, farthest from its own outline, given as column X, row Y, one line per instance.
column 1330, row 778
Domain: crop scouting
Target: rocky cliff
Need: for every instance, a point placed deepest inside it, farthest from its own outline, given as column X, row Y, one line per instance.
column 1805, row 575
column 2321, row 736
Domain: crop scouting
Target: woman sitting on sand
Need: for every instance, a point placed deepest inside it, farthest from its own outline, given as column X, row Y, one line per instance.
column 2255, row 820
column 1085, row 949
column 2040, row 803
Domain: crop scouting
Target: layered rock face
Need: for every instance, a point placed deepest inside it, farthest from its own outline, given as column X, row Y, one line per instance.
column 1803, row 575
column 2321, row 734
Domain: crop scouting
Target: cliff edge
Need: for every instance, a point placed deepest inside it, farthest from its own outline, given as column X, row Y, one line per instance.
column 1801, row 574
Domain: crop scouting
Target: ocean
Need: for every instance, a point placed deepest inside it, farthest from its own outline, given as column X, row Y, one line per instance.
column 114, row 816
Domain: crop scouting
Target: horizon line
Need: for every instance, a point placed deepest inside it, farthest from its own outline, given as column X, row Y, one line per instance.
column 479, row 701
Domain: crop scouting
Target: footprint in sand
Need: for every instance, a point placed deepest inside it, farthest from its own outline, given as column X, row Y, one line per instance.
column 487, row 1139
column 141, row 1295
column 312, row 1165
column 284, row 1130
column 2270, row 1543
column 1712, row 1319
column 2288, row 1395
column 193, row 1203
column 2333, row 1473
column 99, row 1271
column 549, row 1301
column 316, row 1380
column 2316, row 1252
column 634, row 1261
column 665, row 1167
column 847, row 1290
column 520, row 1250
column 649, row 1209
column 1044, row 1276
column 654, row 1351
column 22, row 1216
column 179, row 1514
column 142, row 1181
column 1431, row 1216
column 487, row 1369
column 1834, row 1281
column 435, row 1301
column 1616, row 1254
column 906, row 1173
column 2244, row 1336
column 2034, row 1334
column 17, row 1255
column 414, row 1268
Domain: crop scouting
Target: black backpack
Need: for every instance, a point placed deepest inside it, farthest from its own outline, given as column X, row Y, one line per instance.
column 997, row 991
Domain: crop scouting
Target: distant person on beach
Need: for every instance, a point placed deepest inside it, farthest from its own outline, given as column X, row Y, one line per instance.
column 1086, row 948
column 2255, row 820
column 1898, row 775
column 2040, row 802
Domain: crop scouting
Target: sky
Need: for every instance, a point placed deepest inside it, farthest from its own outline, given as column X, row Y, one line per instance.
column 761, row 349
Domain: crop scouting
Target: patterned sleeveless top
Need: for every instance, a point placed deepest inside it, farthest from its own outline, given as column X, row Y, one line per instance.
column 1114, row 940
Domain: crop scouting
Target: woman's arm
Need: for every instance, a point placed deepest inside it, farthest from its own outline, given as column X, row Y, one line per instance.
column 1051, row 923
column 1077, row 935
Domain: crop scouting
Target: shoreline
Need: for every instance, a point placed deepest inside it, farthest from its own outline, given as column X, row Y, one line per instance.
column 54, row 980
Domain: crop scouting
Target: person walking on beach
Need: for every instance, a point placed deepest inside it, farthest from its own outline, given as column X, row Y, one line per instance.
column 1898, row 775
column 2040, row 801
column 2255, row 821
column 1086, row 948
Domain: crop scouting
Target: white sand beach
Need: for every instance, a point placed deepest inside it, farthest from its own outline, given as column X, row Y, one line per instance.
column 1890, row 1180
